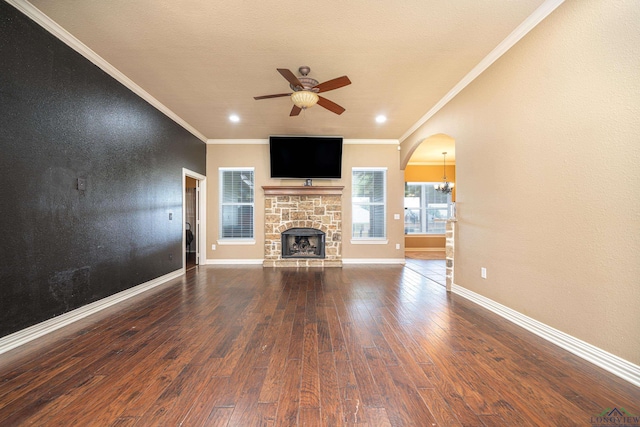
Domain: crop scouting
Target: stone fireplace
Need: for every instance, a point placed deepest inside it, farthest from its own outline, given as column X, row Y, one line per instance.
column 303, row 226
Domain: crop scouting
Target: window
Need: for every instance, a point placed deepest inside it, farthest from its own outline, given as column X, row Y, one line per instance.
column 369, row 200
column 422, row 206
column 236, row 203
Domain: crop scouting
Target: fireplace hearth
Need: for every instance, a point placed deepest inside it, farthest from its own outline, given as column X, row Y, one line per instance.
column 303, row 243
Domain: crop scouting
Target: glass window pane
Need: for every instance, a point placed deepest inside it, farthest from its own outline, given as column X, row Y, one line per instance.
column 369, row 185
column 237, row 222
column 376, row 222
column 423, row 206
column 368, row 221
column 369, row 204
column 236, row 207
column 237, row 186
column 412, row 220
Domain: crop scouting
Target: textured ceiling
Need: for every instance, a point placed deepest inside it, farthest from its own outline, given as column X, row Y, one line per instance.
column 205, row 60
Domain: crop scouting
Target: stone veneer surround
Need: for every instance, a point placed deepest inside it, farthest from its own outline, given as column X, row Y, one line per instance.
column 288, row 207
column 449, row 251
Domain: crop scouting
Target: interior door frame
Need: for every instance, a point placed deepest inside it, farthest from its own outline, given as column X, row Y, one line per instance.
column 201, row 216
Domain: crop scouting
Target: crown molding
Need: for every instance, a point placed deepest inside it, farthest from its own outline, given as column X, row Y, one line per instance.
column 516, row 35
column 238, row 141
column 266, row 141
column 67, row 38
column 371, row 141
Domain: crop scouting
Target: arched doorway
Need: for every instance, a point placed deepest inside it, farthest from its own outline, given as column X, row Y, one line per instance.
column 428, row 210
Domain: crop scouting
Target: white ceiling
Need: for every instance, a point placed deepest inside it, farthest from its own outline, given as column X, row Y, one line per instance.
column 207, row 59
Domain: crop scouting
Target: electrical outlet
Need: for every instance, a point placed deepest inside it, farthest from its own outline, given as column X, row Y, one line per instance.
column 483, row 272
column 397, row 245
column 213, row 247
column 170, row 216
column 396, row 216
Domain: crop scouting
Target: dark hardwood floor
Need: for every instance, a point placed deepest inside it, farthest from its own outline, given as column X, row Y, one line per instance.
column 190, row 258
column 247, row 346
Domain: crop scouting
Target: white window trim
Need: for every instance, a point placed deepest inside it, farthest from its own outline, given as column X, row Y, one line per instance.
column 230, row 242
column 371, row 240
column 236, row 241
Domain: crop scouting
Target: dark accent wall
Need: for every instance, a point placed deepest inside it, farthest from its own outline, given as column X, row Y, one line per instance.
column 64, row 122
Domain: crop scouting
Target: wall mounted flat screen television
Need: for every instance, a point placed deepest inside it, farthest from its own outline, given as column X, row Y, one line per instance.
column 306, row 157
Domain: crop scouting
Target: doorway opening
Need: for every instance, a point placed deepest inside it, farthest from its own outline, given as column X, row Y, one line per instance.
column 193, row 212
column 429, row 206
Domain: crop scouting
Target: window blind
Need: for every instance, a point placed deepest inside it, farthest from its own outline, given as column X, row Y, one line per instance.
column 368, row 203
column 237, row 203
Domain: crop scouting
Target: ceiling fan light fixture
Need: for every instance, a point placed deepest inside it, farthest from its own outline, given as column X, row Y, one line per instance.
column 304, row 98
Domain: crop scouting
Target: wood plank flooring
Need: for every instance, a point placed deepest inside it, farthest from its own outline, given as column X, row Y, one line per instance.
column 247, row 346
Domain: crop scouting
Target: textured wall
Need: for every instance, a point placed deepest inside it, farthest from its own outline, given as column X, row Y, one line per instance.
column 62, row 119
column 547, row 175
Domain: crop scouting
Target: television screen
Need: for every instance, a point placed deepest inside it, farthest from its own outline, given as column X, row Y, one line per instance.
column 306, row 156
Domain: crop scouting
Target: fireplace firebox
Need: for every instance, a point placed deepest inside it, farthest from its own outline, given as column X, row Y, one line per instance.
column 303, row 243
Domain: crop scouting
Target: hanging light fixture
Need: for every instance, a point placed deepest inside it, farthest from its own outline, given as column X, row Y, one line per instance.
column 304, row 98
column 445, row 187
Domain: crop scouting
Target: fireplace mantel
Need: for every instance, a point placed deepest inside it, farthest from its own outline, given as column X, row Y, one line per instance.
column 300, row 190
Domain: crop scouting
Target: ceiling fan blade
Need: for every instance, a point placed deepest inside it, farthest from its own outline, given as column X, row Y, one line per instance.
column 277, row 95
column 291, row 78
column 333, row 84
column 330, row 105
column 295, row 111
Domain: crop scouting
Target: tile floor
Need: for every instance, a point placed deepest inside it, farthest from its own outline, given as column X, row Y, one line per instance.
column 428, row 264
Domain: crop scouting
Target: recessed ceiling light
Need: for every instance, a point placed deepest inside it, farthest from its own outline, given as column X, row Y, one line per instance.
column 381, row 119
column 234, row 118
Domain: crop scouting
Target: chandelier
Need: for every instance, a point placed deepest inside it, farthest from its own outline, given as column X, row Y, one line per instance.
column 304, row 98
column 444, row 187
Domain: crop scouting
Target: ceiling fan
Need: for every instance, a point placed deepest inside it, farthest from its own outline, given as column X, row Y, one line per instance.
column 306, row 90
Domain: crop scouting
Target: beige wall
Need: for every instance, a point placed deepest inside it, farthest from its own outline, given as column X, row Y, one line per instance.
column 354, row 155
column 547, row 167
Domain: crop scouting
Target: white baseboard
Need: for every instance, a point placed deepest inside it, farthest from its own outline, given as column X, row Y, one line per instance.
column 622, row 368
column 344, row 261
column 373, row 261
column 234, row 261
column 31, row 333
